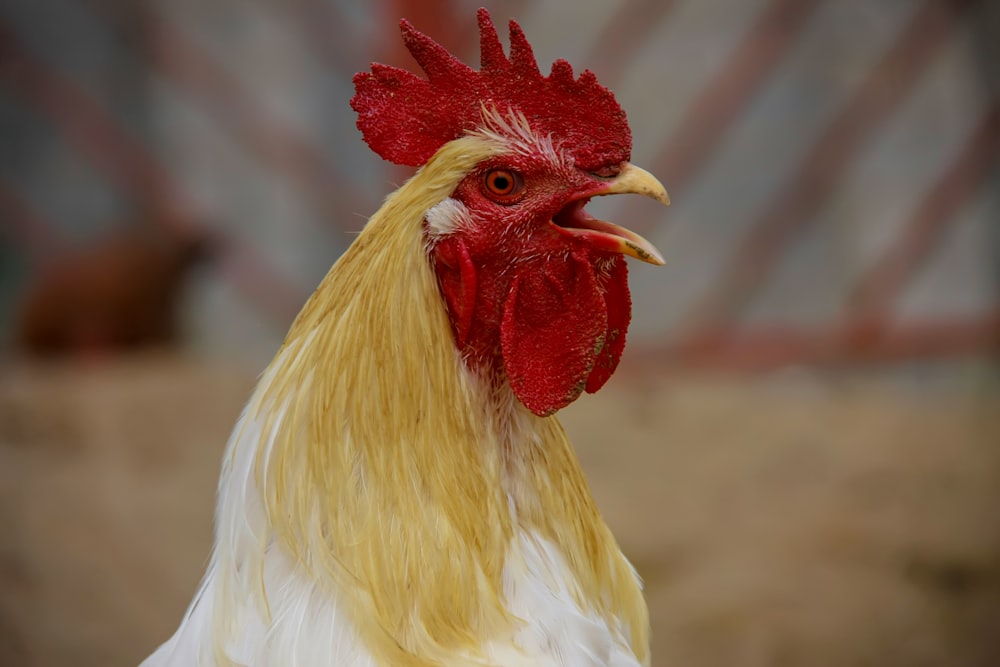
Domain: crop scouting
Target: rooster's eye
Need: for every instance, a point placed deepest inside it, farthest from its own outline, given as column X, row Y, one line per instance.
column 503, row 186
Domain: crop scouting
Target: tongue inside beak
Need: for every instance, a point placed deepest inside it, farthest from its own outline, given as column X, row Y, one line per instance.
column 573, row 221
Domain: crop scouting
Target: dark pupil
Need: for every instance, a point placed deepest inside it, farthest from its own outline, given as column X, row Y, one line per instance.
column 501, row 182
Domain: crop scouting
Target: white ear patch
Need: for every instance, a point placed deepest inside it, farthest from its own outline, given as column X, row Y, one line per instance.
column 446, row 217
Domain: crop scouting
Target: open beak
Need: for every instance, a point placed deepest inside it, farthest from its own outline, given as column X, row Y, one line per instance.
column 574, row 221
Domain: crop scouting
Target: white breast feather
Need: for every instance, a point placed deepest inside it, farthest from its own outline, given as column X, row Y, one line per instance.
column 539, row 589
column 256, row 608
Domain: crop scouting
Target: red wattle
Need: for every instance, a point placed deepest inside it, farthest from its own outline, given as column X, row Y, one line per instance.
column 618, row 301
column 554, row 326
column 457, row 276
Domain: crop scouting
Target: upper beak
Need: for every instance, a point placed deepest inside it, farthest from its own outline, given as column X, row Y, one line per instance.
column 573, row 220
column 636, row 180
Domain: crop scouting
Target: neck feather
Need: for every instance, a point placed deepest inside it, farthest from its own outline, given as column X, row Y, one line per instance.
column 395, row 474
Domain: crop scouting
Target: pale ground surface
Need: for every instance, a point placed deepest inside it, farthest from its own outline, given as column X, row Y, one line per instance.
column 782, row 522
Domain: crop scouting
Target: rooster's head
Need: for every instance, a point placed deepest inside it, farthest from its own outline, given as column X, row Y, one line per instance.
column 535, row 287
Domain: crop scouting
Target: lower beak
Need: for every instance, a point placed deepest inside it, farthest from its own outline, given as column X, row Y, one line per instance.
column 574, row 221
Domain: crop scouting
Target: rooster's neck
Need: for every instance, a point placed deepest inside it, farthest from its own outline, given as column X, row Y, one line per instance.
column 372, row 444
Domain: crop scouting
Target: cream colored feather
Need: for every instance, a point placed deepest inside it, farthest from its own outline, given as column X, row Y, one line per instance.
column 380, row 504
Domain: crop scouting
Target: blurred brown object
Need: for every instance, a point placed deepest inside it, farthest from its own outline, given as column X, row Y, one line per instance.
column 121, row 293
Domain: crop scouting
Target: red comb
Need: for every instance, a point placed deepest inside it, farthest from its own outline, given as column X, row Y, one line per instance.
column 406, row 119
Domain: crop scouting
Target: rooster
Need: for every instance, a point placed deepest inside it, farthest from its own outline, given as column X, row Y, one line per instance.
column 397, row 490
column 120, row 294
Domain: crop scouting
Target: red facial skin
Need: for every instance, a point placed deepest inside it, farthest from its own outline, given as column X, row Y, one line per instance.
column 545, row 310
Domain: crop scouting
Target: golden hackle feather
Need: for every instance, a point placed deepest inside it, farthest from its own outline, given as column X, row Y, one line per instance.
column 396, row 476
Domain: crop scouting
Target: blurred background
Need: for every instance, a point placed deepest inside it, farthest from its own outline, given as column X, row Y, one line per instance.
column 801, row 452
